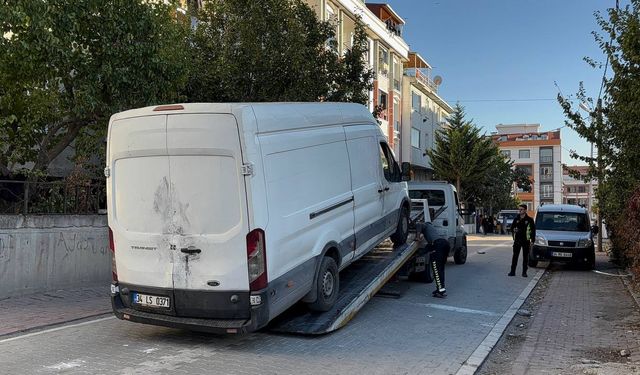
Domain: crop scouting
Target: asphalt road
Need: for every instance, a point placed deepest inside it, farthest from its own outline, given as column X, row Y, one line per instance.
column 413, row 334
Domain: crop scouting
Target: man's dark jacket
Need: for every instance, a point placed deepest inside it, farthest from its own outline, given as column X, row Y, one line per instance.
column 523, row 229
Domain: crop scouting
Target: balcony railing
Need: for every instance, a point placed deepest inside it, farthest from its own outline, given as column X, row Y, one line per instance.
column 546, row 159
column 421, row 77
column 546, row 177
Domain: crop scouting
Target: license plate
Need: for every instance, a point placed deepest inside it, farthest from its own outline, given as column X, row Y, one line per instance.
column 561, row 255
column 150, row 301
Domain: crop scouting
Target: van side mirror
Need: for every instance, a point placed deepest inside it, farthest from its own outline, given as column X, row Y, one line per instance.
column 594, row 229
column 406, row 171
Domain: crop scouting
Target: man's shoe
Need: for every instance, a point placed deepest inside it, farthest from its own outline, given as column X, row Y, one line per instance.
column 439, row 294
column 511, row 274
column 524, row 274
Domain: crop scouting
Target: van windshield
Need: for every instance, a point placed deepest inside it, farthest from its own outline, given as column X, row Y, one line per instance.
column 562, row 221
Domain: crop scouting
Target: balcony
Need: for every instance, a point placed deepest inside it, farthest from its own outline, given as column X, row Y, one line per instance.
column 546, row 177
column 422, row 77
column 546, row 159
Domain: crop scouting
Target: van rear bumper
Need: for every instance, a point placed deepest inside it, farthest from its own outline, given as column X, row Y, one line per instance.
column 258, row 317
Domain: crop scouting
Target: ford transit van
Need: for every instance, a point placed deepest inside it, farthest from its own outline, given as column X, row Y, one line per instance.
column 222, row 216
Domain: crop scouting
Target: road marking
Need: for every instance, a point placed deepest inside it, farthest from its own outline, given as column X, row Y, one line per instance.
column 66, row 365
column 55, row 329
column 458, row 309
column 611, row 274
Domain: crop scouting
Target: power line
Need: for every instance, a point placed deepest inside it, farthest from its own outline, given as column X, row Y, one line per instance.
column 507, row 100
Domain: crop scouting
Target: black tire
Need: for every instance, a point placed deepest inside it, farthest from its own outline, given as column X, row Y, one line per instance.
column 402, row 230
column 460, row 255
column 591, row 261
column 532, row 263
column 327, row 285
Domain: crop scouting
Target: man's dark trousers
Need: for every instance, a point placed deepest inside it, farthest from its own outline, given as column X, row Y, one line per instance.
column 525, row 246
column 440, row 254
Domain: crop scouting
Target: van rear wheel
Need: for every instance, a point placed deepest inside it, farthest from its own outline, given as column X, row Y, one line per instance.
column 327, row 285
column 402, row 231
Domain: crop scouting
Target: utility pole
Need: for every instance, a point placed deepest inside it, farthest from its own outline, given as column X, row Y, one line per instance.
column 599, row 166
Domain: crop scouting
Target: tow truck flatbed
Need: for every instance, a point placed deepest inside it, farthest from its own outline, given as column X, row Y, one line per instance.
column 358, row 283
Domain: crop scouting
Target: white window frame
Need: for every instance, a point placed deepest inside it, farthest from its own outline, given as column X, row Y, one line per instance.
column 415, row 132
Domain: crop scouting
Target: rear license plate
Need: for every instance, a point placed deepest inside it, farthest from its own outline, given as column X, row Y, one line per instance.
column 150, row 301
column 561, row 255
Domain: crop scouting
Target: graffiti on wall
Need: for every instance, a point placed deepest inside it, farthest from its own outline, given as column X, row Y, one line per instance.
column 77, row 243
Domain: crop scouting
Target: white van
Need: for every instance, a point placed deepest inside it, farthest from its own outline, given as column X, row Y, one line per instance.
column 446, row 218
column 221, row 216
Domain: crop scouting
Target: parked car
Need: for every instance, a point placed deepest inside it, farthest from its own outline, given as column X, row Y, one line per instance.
column 447, row 219
column 563, row 234
column 222, row 216
column 506, row 217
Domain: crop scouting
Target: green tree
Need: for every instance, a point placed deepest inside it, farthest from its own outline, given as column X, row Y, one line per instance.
column 462, row 155
column 66, row 66
column 272, row 50
column 354, row 77
column 613, row 124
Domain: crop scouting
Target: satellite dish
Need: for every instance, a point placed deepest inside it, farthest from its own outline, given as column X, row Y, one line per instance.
column 437, row 80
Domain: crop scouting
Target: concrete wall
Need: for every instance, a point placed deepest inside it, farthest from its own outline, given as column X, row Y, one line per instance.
column 49, row 252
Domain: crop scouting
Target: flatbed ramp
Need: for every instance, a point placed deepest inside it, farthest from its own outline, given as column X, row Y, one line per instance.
column 358, row 283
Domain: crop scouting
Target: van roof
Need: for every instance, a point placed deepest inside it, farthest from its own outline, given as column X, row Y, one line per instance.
column 562, row 208
column 272, row 116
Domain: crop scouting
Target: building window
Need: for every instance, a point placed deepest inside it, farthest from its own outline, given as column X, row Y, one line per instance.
column 383, row 99
column 546, row 173
column 524, row 154
column 546, row 155
column 383, row 60
column 416, row 102
column 546, row 190
column 506, row 153
column 503, row 138
column 526, row 168
column 582, row 189
column 415, row 138
column 396, row 116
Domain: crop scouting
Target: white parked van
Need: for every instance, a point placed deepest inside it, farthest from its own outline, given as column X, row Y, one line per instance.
column 222, row 216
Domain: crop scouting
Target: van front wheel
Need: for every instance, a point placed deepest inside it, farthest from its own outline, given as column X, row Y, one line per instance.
column 402, row 231
column 327, row 285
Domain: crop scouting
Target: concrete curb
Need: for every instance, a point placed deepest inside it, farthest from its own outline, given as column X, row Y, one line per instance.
column 471, row 365
column 628, row 284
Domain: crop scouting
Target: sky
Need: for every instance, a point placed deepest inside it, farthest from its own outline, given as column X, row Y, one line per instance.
column 495, row 56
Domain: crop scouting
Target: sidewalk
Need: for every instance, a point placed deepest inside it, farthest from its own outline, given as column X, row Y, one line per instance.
column 582, row 322
column 19, row 314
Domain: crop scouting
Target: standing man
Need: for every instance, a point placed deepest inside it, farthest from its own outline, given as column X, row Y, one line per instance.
column 524, row 234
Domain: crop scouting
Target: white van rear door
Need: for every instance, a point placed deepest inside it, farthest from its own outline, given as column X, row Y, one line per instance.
column 138, row 182
column 209, row 203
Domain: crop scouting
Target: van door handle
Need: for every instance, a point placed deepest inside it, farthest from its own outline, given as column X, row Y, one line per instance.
column 386, row 188
column 190, row 250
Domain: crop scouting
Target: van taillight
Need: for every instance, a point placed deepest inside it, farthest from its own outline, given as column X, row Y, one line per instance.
column 257, row 260
column 112, row 247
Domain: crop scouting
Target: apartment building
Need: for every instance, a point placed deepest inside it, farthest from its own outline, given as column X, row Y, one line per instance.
column 576, row 190
column 538, row 153
column 423, row 114
column 387, row 54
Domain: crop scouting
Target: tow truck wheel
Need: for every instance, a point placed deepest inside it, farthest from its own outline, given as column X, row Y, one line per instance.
column 460, row 255
column 327, row 285
column 402, row 231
